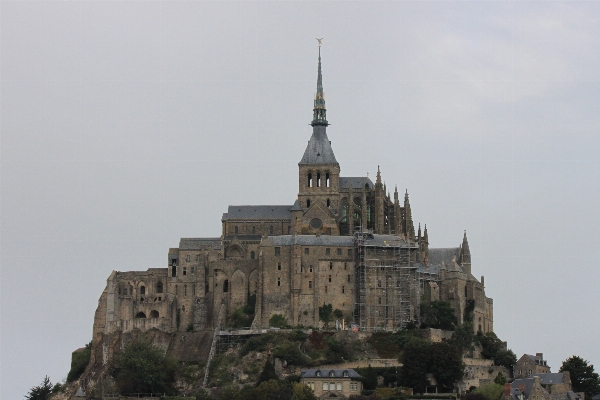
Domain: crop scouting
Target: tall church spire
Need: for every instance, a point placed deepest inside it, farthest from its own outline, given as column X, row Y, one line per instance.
column 319, row 112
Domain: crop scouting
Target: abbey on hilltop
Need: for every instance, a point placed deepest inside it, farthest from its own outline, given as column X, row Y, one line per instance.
column 345, row 241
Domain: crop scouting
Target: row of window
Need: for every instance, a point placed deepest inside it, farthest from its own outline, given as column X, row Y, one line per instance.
column 236, row 230
column 327, row 203
column 333, row 386
column 327, row 251
column 317, row 180
column 188, row 257
column 124, row 291
column 184, row 270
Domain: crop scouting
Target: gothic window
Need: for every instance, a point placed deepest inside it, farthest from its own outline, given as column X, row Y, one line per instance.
column 159, row 287
column 153, row 314
column 289, row 229
column 316, row 223
column 225, row 286
column 183, row 308
column 271, row 230
column 378, row 282
column 345, row 266
column 318, row 179
column 235, row 230
column 327, row 184
column 465, row 291
column 309, row 179
column 142, row 289
column 252, row 255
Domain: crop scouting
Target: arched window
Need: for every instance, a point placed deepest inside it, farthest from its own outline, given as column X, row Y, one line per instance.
column 328, row 203
column 327, row 181
column 271, row 230
column 253, row 230
column 252, row 255
column 309, row 179
column 308, row 203
column 235, row 230
column 153, row 314
column 225, row 286
column 310, row 268
column 140, row 315
column 174, row 270
column 318, row 179
column 142, row 289
column 159, row 287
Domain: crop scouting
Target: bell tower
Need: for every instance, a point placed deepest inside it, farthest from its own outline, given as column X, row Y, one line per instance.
column 319, row 171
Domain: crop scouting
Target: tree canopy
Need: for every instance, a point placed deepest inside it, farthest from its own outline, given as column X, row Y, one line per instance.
column 583, row 377
column 40, row 392
column 440, row 359
column 438, row 315
column 143, row 368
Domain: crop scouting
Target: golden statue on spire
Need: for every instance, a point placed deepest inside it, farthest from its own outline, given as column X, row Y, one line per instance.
column 319, row 40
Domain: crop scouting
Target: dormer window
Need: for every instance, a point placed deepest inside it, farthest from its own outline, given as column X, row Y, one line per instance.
column 345, row 374
column 318, row 373
column 332, row 373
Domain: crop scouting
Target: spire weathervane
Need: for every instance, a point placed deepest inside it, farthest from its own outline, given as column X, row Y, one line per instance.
column 319, row 111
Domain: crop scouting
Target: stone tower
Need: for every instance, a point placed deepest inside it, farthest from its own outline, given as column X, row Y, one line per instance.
column 319, row 173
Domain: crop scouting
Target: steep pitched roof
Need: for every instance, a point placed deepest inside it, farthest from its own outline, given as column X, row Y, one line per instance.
column 197, row 243
column 318, row 150
column 357, row 182
column 311, row 240
column 325, row 373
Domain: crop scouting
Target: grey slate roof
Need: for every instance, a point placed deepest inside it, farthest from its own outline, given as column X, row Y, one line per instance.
column 357, row 182
column 311, row 240
column 545, row 379
column 258, row 212
column 318, row 150
column 296, row 206
column 436, row 256
column 536, row 359
column 197, row 243
column 325, row 373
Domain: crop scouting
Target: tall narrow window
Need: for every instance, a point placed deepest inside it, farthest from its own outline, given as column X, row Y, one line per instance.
column 327, row 182
column 329, row 278
column 235, row 230
column 226, row 286
column 310, row 268
column 142, row 289
column 184, row 271
column 327, row 251
column 328, row 203
column 278, row 266
column 174, row 270
column 193, row 290
column 318, row 179
column 277, row 251
column 278, row 281
column 188, row 258
column 306, row 250
column 271, row 230
column 310, row 284
column 325, row 289
column 309, row 179
column 192, row 270
column 343, row 289
column 176, row 290
column 253, row 230
column 185, row 290
column 330, row 266
column 308, row 203
column 252, row 255
column 159, row 287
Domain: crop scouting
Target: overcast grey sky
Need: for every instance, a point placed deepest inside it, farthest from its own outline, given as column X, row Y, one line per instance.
column 127, row 125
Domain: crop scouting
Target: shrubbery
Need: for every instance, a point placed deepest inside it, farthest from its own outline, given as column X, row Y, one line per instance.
column 79, row 362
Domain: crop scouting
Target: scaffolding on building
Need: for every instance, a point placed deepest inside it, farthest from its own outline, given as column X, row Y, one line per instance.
column 388, row 284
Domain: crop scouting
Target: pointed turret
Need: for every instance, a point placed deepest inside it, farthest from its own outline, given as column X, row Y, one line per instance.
column 465, row 254
column 425, row 236
column 409, row 227
column 378, row 179
column 319, row 111
column 419, row 234
column 396, row 201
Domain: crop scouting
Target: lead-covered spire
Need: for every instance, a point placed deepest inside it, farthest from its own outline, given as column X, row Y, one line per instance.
column 319, row 112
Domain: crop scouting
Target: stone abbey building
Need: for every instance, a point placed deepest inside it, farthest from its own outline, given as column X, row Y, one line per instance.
column 345, row 241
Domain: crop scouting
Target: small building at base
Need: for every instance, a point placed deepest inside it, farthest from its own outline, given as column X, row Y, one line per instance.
column 333, row 383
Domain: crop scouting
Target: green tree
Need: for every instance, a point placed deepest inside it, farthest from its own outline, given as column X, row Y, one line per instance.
column 40, row 392
column 143, row 368
column 463, row 337
column 268, row 373
column 278, row 321
column 302, row 392
column 500, row 379
column 491, row 391
column 506, row 358
column 446, row 364
column 583, row 377
column 273, row 390
column 337, row 313
column 415, row 361
column 326, row 314
column 438, row 315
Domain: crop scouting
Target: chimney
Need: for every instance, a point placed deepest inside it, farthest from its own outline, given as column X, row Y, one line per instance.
column 522, row 387
column 507, row 389
column 540, row 355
